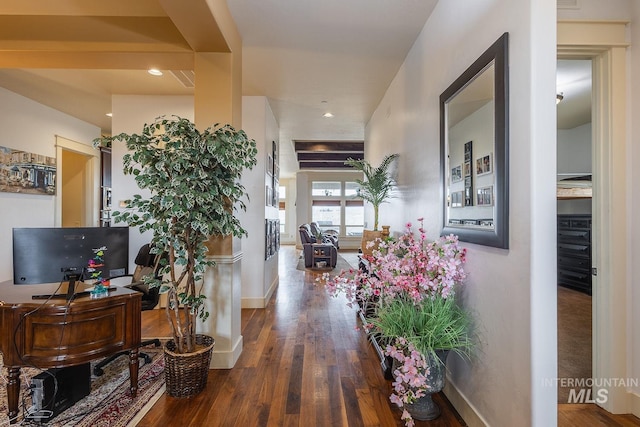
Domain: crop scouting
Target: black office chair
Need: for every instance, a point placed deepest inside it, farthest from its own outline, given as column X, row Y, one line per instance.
column 146, row 264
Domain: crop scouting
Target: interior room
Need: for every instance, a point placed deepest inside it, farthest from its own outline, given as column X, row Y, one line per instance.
column 574, row 208
column 551, row 252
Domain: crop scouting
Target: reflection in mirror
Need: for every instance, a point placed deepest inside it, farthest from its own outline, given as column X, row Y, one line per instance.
column 474, row 135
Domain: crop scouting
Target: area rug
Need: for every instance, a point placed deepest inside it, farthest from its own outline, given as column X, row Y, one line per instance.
column 108, row 405
column 341, row 264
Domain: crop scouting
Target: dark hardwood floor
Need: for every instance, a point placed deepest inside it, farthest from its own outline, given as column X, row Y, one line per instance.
column 305, row 363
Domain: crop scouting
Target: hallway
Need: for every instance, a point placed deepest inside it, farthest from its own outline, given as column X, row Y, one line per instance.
column 304, row 363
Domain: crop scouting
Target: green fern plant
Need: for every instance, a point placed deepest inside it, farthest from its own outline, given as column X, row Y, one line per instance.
column 378, row 184
column 435, row 323
column 193, row 179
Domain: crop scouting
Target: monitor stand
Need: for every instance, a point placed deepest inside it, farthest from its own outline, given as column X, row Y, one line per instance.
column 71, row 289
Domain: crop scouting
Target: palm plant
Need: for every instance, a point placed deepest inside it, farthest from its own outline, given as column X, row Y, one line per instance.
column 378, row 184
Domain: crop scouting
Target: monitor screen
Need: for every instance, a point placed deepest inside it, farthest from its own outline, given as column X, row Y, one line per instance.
column 50, row 255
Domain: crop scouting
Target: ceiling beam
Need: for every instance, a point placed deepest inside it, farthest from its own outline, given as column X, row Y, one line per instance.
column 337, row 146
column 196, row 23
column 87, row 8
column 322, row 165
column 329, row 156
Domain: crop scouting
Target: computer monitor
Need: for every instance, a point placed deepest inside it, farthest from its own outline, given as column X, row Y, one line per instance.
column 53, row 255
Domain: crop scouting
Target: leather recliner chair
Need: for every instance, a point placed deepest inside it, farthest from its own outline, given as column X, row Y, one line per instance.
column 309, row 241
column 329, row 236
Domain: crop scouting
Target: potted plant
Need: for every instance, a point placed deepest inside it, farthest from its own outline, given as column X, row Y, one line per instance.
column 193, row 182
column 411, row 285
column 376, row 189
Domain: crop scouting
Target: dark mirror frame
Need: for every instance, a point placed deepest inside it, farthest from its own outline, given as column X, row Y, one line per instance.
column 499, row 236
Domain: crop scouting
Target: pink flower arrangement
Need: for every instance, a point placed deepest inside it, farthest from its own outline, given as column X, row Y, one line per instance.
column 407, row 275
column 408, row 266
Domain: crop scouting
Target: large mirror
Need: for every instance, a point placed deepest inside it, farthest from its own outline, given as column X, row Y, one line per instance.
column 474, row 141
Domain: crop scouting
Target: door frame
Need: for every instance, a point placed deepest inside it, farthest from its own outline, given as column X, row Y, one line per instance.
column 92, row 176
column 605, row 43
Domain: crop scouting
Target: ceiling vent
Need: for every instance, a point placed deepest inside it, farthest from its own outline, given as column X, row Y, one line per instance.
column 186, row 77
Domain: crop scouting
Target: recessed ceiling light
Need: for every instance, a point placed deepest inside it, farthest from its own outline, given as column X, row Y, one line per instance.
column 154, row 72
column 109, row 114
column 327, row 115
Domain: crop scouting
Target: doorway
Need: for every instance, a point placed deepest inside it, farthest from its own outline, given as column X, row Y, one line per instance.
column 574, row 207
column 78, row 168
column 606, row 46
column 73, row 179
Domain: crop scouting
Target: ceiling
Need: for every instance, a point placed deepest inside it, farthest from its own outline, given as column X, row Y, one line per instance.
column 307, row 58
column 573, row 81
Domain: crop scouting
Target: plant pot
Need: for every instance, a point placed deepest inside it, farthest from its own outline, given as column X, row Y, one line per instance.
column 424, row 408
column 368, row 236
column 186, row 373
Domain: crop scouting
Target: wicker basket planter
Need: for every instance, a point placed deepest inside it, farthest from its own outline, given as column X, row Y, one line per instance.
column 186, row 374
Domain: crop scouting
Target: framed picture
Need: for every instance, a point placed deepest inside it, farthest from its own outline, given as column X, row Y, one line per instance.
column 270, row 165
column 468, row 150
column 484, row 196
column 457, row 199
column 456, row 173
column 267, row 195
column 484, row 165
column 467, row 168
column 27, row 173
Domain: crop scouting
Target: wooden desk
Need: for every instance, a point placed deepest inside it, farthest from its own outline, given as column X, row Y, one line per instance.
column 57, row 333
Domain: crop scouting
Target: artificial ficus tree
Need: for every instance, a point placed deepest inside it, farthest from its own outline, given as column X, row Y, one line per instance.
column 193, row 180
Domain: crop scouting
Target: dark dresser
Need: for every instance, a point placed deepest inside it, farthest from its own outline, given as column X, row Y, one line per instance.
column 574, row 252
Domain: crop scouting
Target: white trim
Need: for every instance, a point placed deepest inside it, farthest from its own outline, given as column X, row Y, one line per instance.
column 226, row 259
column 261, row 302
column 469, row 413
column 606, row 44
column 226, row 359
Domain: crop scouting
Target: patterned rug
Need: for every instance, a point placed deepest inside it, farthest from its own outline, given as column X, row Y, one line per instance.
column 108, row 405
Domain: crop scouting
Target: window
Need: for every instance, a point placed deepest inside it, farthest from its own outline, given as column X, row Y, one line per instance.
column 354, row 217
column 282, row 212
column 334, row 207
column 319, row 188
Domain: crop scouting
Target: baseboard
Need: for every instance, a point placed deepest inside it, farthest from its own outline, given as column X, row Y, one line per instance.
column 467, row 411
column 226, row 359
column 253, row 302
column 635, row 403
column 261, row 302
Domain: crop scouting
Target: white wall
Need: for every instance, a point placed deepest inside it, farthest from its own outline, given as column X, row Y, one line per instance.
column 511, row 291
column 574, row 149
column 259, row 277
column 574, row 156
column 288, row 237
column 29, row 126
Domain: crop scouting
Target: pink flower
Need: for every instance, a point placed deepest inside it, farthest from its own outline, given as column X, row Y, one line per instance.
column 412, row 267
